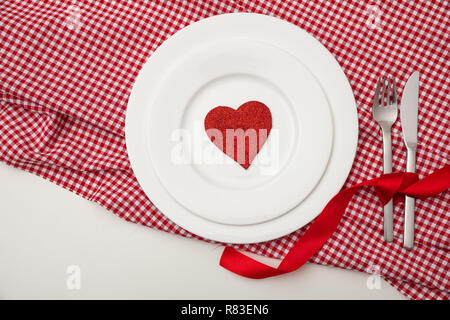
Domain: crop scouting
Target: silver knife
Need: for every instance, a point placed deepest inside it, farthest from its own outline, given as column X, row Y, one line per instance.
column 408, row 117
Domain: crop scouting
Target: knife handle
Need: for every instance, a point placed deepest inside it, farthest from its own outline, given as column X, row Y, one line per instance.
column 408, row 231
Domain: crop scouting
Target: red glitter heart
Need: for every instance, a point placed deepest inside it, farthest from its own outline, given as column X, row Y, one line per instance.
column 240, row 133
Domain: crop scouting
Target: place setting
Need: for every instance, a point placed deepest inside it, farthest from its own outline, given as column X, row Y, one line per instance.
column 243, row 136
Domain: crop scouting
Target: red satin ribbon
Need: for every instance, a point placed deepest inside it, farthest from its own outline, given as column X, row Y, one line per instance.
column 326, row 223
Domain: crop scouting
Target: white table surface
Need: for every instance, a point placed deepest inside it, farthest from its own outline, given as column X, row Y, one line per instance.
column 44, row 229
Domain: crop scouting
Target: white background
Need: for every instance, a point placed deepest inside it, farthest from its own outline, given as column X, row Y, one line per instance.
column 44, row 229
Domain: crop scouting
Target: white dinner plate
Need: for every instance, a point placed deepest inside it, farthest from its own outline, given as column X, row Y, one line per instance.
column 228, row 60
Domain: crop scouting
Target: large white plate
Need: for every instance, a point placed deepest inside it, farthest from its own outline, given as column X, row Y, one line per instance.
column 151, row 169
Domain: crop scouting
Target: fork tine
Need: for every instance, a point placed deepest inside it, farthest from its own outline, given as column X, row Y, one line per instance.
column 376, row 99
column 388, row 91
column 383, row 92
column 394, row 92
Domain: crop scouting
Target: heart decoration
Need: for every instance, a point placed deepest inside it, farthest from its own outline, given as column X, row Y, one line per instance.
column 240, row 133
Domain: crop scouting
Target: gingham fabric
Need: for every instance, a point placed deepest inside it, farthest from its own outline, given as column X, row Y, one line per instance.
column 67, row 68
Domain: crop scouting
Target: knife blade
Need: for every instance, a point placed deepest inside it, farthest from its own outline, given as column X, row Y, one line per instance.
column 408, row 117
column 409, row 110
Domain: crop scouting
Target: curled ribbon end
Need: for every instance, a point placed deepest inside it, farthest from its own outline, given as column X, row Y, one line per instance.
column 323, row 227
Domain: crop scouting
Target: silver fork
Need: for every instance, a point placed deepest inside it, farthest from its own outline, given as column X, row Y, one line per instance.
column 385, row 112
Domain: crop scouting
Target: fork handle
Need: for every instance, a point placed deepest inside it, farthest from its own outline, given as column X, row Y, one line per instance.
column 388, row 217
column 387, row 150
column 408, row 231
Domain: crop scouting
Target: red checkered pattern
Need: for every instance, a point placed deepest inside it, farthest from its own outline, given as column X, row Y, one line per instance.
column 67, row 68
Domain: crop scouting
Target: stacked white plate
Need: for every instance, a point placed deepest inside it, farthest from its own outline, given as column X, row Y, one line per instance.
column 228, row 60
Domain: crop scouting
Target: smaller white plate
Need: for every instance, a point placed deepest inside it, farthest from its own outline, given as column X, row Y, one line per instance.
column 230, row 73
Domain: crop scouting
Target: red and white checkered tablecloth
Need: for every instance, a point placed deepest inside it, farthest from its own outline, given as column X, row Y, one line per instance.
column 67, row 68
